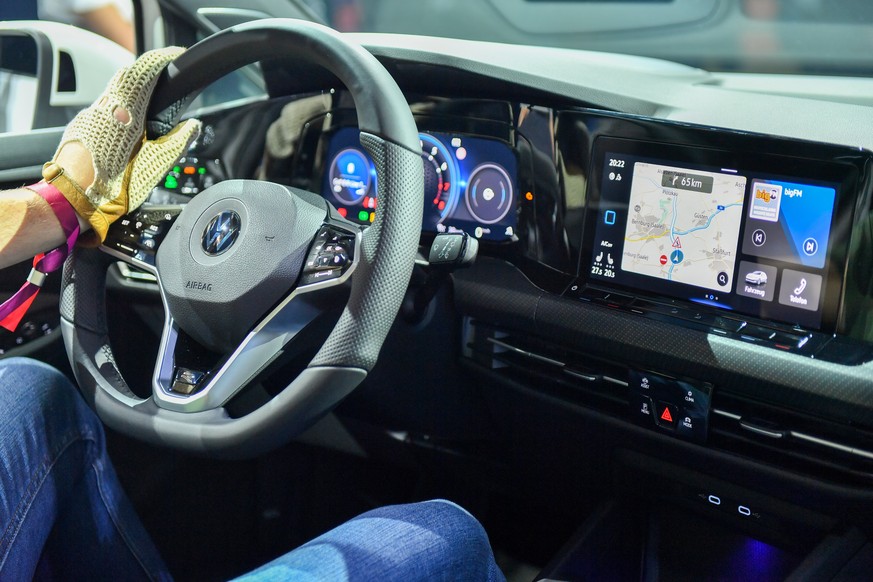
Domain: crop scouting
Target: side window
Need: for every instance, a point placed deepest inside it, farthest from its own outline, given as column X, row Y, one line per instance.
column 243, row 84
column 56, row 56
column 246, row 83
column 18, row 83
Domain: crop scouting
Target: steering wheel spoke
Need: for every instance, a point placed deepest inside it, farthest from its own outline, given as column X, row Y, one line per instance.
column 190, row 378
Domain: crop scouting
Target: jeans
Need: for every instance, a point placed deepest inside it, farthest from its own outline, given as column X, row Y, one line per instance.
column 63, row 514
column 433, row 540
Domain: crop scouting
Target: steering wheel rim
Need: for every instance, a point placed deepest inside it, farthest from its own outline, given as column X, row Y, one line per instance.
column 383, row 260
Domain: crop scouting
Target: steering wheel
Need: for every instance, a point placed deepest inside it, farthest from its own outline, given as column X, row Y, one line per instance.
column 247, row 265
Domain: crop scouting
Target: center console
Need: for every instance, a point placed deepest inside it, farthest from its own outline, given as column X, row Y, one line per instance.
column 707, row 349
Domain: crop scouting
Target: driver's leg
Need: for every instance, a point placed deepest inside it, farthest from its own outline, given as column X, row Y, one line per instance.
column 434, row 540
column 62, row 511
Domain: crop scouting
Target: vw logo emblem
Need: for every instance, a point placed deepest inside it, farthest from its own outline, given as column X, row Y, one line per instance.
column 221, row 232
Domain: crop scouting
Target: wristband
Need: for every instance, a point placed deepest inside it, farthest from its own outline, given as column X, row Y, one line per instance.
column 14, row 308
column 55, row 176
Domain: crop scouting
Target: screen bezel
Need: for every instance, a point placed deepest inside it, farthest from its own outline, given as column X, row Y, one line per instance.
column 751, row 164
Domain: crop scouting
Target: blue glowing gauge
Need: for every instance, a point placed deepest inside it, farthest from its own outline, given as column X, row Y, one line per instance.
column 350, row 176
column 489, row 193
column 440, row 176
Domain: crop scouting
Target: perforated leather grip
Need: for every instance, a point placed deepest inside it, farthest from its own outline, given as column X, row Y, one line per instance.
column 387, row 258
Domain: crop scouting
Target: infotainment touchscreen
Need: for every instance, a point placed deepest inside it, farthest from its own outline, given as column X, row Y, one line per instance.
column 749, row 233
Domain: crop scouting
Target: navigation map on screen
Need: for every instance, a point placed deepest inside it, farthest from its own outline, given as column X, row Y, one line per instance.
column 683, row 225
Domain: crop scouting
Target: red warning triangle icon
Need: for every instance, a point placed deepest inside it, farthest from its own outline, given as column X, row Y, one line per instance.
column 677, row 244
column 666, row 416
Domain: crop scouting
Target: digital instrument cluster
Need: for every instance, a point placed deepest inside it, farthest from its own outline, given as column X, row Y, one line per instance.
column 470, row 183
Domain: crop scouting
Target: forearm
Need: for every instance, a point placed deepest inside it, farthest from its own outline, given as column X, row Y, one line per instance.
column 27, row 226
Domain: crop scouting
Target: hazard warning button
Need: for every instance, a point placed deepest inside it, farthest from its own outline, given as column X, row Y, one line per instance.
column 665, row 415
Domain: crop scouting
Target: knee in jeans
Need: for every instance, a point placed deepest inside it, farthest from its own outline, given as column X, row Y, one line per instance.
column 29, row 388
column 453, row 517
column 27, row 378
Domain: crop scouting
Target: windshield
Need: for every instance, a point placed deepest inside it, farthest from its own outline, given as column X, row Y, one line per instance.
column 828, row 37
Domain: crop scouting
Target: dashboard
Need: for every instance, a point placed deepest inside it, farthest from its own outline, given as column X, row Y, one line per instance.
column 671, row 310
column 742, row 235
column 668, row 270
column 640, row 244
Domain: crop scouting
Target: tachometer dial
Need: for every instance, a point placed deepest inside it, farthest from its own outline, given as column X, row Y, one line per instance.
column 489, row 193
column 440, row 171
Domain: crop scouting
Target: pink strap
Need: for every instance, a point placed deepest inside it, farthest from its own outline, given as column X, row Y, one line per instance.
column 14, row 308
column 63, row 211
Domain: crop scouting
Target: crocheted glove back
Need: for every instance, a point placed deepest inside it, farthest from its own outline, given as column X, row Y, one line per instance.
column 121, row 182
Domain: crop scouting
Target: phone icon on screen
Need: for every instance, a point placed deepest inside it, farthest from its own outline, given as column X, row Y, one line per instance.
column 799, row 289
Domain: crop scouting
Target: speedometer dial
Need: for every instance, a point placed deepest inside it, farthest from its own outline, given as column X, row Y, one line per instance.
column 440, row 171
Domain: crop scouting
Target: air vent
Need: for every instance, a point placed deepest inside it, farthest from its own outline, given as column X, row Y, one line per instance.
column 768, row 434
column 552, row 369
column 792, row 440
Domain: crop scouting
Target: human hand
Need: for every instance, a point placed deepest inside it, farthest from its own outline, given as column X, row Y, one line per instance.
column 105, row 165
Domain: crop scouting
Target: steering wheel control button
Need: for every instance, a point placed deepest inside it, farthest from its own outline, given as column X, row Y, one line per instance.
column 678, row 406
column 139, row 234
column 221, row 232
column 330, row 256
column 319, row 276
